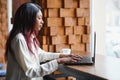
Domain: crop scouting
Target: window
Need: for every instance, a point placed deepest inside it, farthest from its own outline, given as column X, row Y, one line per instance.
column 112, row 27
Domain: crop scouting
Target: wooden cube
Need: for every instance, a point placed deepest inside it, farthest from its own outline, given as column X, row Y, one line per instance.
column 80, row 12
column 45, row 22
column 87, row 29
column 1, row 56
column 45, row 12
column 70, row 21
column 46, row 31
column 78, row 39
column 78, row 47
column 59, row 40
column 0, row 17
column 81, row 21
column 5, row 34
column 68, row 30
column 87, row 47
column 58, row 47
column 87, row 20
column 54, row 22
column 75, row 3
column 53, row 31
column 53, row 12
column 45, row 47
column 53, row 40
column 85, row 38
column 51, row 48
column 56, row 31
column 60, row 31
column 63, row 39
column 0, row 25
column 67, row 12
column 68, row 3
column 54, row 3
column 78, row 30
column 71, row 39
column 84, row 3
column 82, row 53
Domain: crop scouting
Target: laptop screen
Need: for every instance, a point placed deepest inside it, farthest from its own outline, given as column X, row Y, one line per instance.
column 94, row 49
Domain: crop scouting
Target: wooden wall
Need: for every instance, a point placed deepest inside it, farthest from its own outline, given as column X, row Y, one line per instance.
column 3, row 27
column 66, row 25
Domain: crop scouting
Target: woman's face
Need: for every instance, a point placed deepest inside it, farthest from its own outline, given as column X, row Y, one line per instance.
column 39, row 22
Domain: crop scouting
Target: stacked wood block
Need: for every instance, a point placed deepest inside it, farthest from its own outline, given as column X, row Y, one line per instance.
column 66, row 25
column 3, row 28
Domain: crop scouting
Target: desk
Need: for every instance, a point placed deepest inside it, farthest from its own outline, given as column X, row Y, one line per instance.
column 105, row 68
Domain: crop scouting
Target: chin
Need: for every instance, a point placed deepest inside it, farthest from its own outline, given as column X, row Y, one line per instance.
column 39, row 29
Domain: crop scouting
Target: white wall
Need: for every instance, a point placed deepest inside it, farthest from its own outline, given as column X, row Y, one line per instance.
column 9, row 14
column 98, row 24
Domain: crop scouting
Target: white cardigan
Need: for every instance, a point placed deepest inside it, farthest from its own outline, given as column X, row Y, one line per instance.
column 26, row 66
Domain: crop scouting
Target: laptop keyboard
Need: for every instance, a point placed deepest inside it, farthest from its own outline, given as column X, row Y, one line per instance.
column 85, row 59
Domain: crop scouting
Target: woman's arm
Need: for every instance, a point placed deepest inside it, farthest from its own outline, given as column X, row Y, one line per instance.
column 29, row 66
column 46, row 56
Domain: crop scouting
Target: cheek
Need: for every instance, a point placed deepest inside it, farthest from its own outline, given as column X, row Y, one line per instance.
column 36, row 24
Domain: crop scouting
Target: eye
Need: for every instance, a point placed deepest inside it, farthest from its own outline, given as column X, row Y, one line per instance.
column 40, row 17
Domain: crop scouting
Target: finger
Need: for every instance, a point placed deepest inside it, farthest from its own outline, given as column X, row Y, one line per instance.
column 70, row 55
column 73, row 60
column 77, row 56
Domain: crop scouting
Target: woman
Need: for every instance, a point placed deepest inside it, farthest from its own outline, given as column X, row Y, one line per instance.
column 23, row 53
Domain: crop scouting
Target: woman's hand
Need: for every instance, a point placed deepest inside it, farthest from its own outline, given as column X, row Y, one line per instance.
column 68, row 58
column 75, row 55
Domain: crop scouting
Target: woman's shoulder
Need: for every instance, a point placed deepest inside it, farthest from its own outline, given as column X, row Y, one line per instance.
column 19, row 36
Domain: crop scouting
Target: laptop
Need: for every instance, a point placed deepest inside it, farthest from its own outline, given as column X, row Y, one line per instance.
column 86, row 60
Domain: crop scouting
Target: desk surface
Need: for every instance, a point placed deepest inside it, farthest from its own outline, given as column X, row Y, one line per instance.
column 104, row 67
